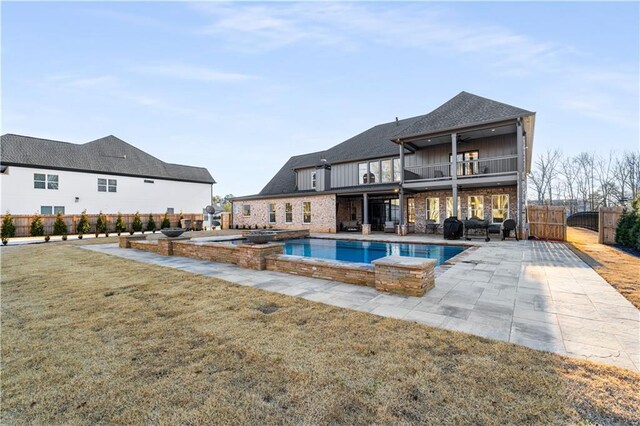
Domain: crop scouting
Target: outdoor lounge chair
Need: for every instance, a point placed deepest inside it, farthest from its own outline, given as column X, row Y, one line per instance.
column 508, row 226
column 390, row 226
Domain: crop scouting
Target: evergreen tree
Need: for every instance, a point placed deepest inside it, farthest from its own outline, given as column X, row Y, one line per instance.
column 120, row 226
column 59, row 227
column 37, row 229
column 166, row 223
column 8, row 228
column 83, row 226
column 136, row 225
column 101, row 224
column 151, row 224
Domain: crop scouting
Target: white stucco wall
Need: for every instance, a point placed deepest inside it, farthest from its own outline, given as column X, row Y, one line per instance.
column 18, row 196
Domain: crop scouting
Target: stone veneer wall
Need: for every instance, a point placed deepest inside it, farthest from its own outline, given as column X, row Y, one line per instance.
column 243, row 255
column 124, row 241
column 284, row 235
column 321, row 268
column 421, row 203
column 408, row 276
column 323, row 213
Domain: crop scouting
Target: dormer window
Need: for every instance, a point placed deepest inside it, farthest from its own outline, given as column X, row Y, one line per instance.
column 313, row 180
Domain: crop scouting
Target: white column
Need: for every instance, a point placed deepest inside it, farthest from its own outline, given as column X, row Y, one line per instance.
column 519, row 187
column 401, row 189
column 454, row 173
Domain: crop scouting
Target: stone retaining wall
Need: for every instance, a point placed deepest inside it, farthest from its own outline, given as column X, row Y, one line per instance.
column 244, row 255
column 409, row 276
column 124, row 241
column 350, row 273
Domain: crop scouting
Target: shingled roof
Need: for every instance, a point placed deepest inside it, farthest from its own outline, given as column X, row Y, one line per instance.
column 108, row 155
column 372, row 143
column 463, row 110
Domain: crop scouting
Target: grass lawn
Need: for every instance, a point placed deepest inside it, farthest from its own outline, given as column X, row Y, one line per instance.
column 89, row 338
column 618, row 268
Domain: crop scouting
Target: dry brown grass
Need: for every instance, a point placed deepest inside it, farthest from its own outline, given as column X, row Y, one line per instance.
column 618, row 268
column 89, row 338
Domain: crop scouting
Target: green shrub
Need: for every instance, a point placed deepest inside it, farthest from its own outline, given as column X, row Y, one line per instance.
column 120, row 226
column 180, row 219
column 136, row 225
column 101, row 224
column 8, row 228
column 166, row 223
column 59, row 227
column 83, row 226
column 37, row 229
column 628, row 229
column 151, row 224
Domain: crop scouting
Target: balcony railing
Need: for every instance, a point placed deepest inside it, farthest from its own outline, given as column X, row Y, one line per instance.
column 465, row 169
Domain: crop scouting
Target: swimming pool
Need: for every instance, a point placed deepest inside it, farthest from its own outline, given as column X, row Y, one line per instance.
column 366, row 251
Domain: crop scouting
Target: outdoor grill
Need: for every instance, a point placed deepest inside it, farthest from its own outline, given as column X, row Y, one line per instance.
column 479, row 227
column 452, row 228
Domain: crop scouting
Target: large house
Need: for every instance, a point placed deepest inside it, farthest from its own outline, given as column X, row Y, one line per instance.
column 467, row 158
column 46, row 176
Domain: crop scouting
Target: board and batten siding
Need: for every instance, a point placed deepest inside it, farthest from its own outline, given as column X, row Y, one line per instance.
column 494, row 146
column 303, row 177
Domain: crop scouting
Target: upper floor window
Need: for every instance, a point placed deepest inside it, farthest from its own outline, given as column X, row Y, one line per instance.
column 288, row 212
column 246, row 210
column 379, row 171
column 42, row 181
column 306, row 212
column 105, row 185
column 169, row 210
column 313, row 180
column 467, row 163
column 272, row 213
column 363, row 173
column 396, row 170
column 374, row 172
column 386, row 171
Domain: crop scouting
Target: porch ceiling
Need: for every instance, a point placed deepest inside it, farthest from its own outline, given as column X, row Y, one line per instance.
column 465, row 136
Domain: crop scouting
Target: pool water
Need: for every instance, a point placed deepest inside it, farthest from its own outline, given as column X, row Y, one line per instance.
column 366, row 251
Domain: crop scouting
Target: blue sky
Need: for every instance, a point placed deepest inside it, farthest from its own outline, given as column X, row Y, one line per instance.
column 240, row 87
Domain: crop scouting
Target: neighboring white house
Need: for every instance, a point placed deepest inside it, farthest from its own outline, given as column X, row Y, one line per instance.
column 108, row 174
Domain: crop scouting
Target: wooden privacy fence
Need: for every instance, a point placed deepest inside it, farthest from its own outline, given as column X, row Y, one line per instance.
column 608, row 222
column 23, row 222
column 547, row 222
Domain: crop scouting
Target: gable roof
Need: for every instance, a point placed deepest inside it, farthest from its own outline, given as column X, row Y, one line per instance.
column 463, row 110
column 372, row 143
column 105, row 155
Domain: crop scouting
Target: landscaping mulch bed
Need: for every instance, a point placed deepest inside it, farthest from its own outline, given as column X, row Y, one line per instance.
column 90, row 338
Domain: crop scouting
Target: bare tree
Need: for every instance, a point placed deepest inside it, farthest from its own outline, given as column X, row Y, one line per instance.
column 569, row 171
column 604, row 175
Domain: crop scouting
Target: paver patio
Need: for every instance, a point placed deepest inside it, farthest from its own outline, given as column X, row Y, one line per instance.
column 533, row 293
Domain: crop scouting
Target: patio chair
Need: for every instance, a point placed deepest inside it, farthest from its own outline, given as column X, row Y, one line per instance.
column 508, row 226
column 432, row 226
column 390, row 226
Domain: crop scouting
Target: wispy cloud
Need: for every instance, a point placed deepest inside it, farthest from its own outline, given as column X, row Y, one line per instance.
column 80, row 81
column 194, row 73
